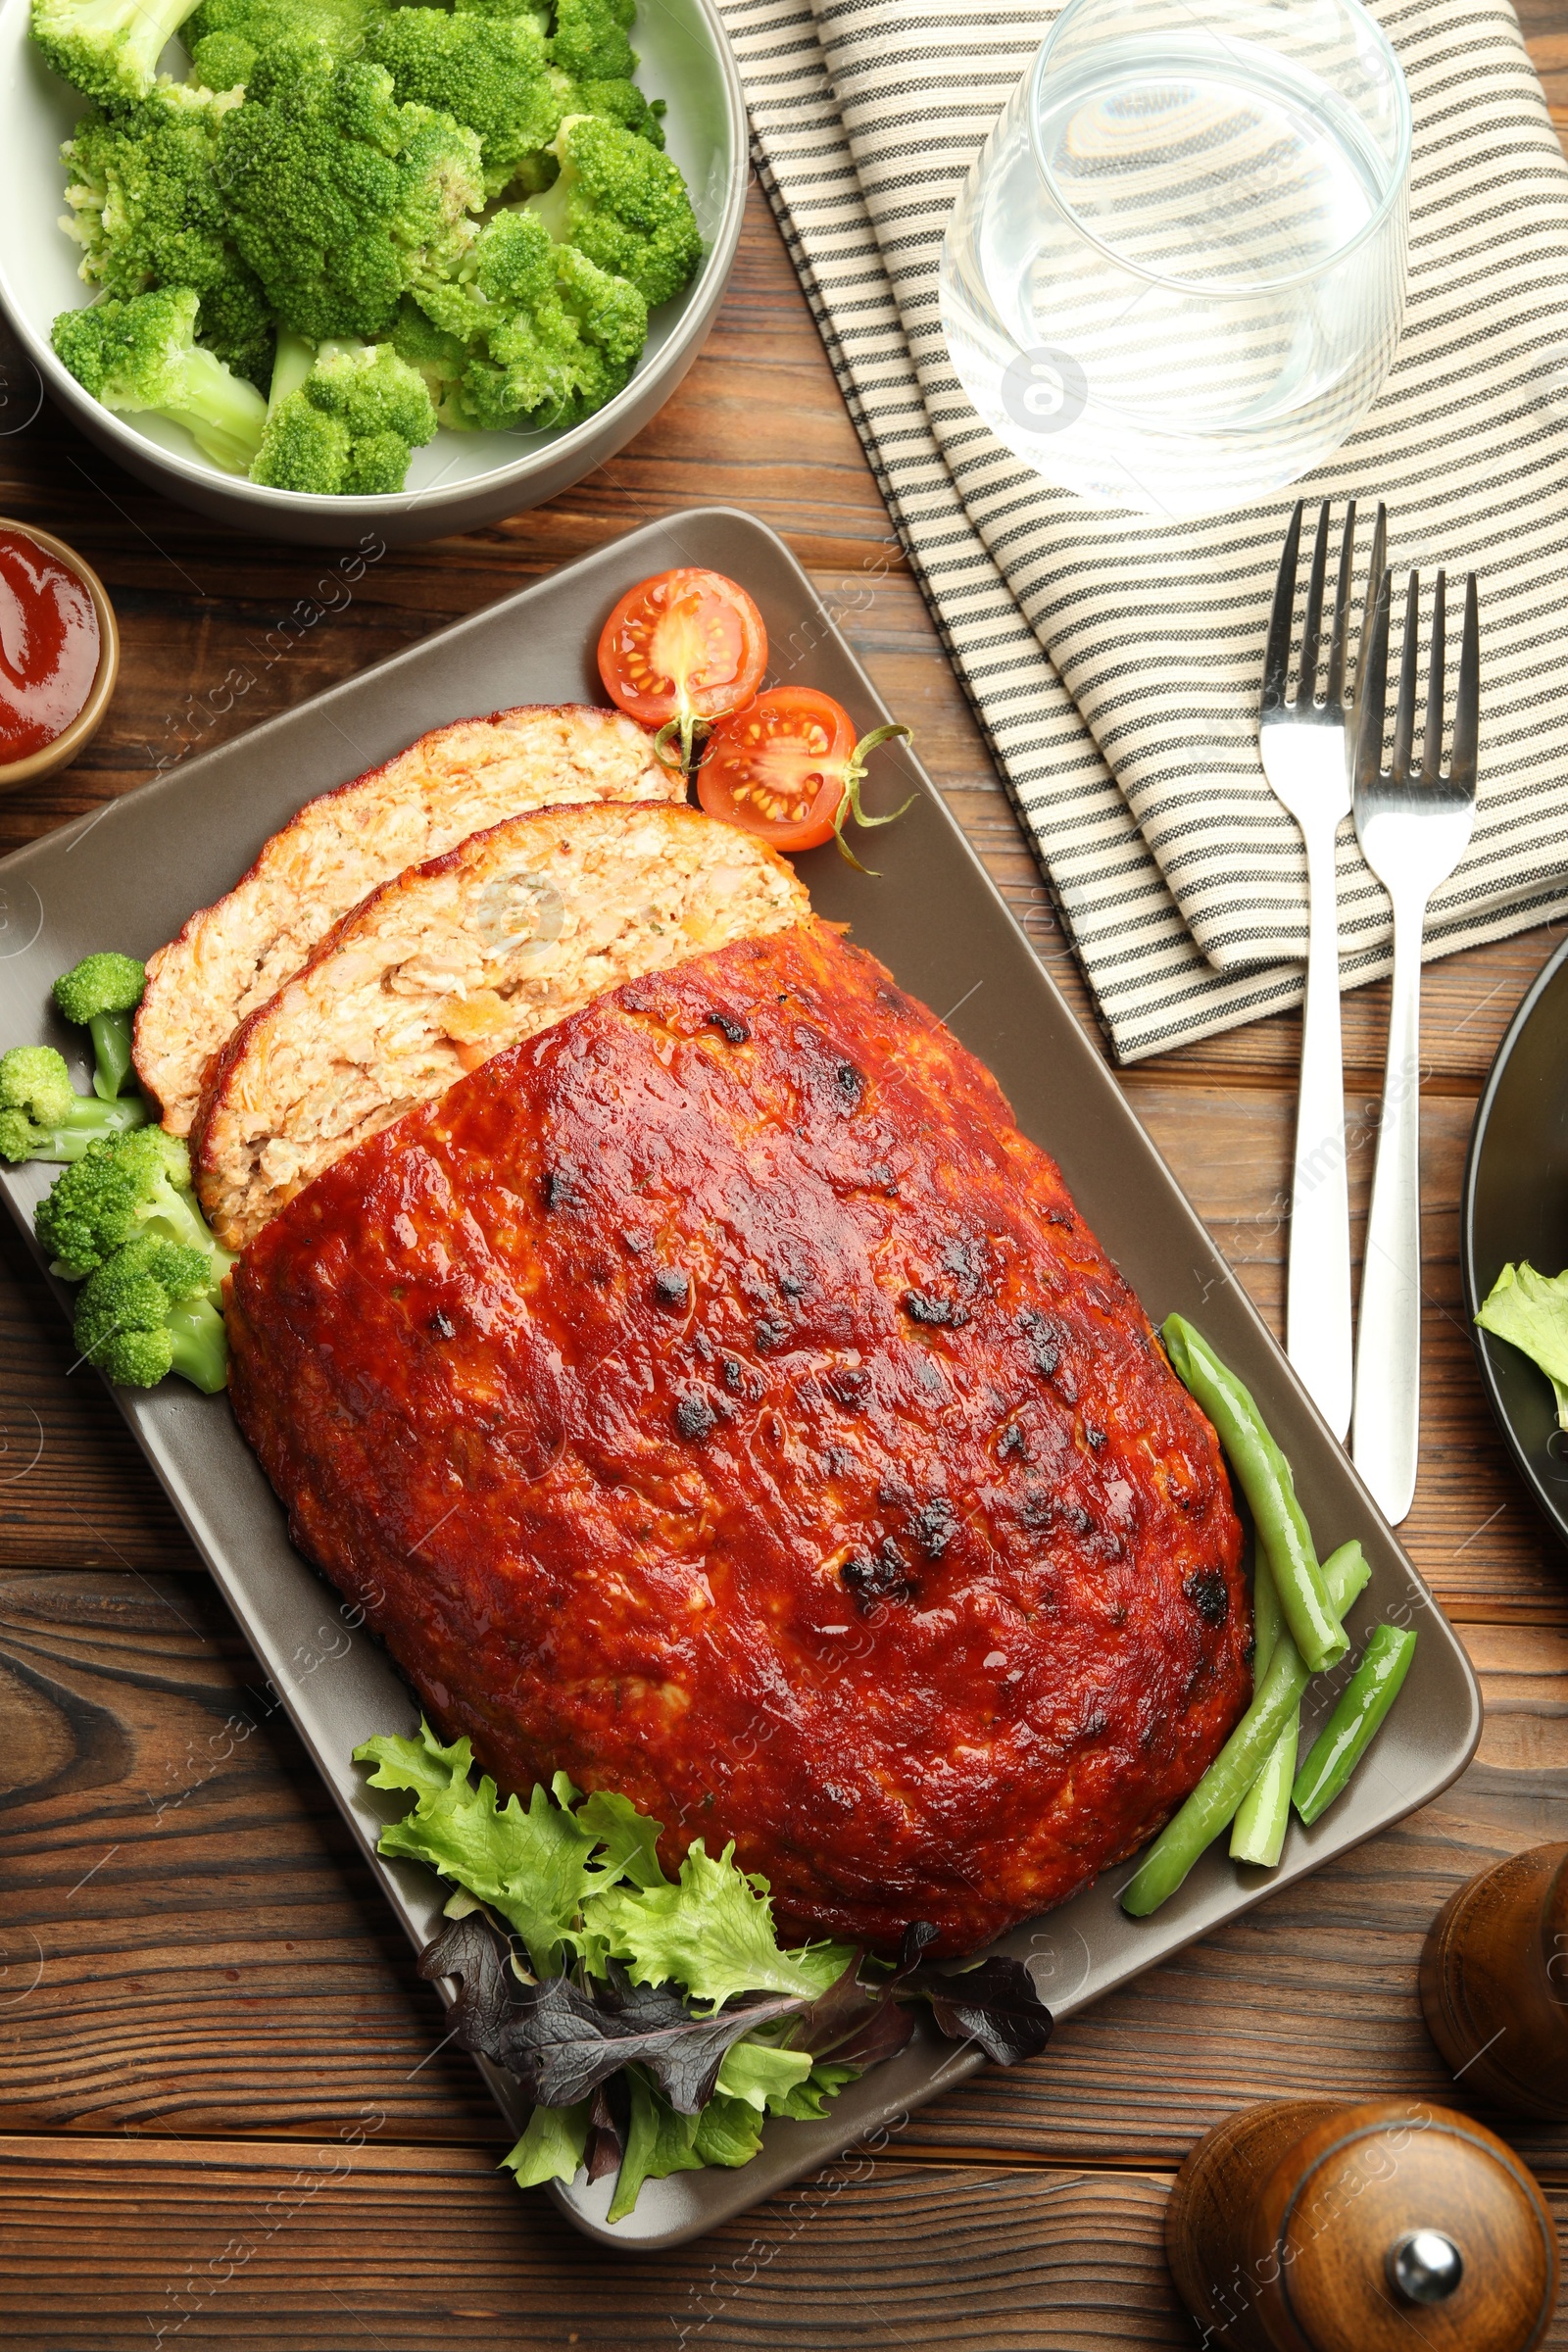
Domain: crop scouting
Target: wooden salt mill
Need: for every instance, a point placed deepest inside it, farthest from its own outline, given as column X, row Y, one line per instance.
column 1495, row 1982
column 1303, row 2226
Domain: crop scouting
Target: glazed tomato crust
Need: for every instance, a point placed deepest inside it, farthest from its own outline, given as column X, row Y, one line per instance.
column 718, row 1398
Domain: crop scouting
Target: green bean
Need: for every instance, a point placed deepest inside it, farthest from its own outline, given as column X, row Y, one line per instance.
column 1268, row 1620
column 1222, row 1786
column 1264, row 1812
column 1364, row 1702
column 1257, row 1834
column 1264, row 1477
column 1239, row 1761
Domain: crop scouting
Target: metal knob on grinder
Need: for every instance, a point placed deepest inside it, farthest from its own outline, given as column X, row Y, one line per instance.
column 1303, row 2226
column 1424, row 2266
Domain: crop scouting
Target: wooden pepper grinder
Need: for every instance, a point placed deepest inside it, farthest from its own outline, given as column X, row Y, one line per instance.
column 1302, row 2226
column 1494, row 1984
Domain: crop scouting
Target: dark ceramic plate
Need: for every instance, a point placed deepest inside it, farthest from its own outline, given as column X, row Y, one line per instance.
column 129, row 877
column 1515, row 1206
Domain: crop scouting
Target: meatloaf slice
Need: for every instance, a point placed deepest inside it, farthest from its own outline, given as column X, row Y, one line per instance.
column 452, row 961
column 230, row 958
column 718, row 1398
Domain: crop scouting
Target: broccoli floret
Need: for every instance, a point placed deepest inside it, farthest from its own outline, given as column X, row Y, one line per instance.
column 437, row 357
column 147, row 1312
column 594, row 60
column 339, row 196
column 43, row 1117
column 121, row 1190
column 622, row 101
column 623, row 204
column 348, row 426
column 590, row 40
column 34, row 1080
column 610, row 315
column 108, row 49
column 225, row 37
column 100, row 993
column 147, row 210
column 541, row 13
column 589, row 47
column 490, row 73
column 142, row 354
column 551, row 337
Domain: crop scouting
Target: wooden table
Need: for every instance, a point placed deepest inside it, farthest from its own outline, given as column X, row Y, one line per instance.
column 227, row 2114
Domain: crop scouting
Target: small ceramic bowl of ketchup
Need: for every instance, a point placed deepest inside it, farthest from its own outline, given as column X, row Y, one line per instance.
column 59, row 653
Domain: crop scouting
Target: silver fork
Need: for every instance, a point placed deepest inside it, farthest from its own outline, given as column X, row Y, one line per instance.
column 1306, row 750
column 1413, row 824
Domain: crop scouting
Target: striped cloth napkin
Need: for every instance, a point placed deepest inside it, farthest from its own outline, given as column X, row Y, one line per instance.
column 1115, row 661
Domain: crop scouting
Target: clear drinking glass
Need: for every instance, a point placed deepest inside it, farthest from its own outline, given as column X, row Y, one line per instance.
column 1175, row 277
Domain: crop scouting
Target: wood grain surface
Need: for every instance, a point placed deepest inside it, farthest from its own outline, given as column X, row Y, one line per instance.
column 229, row 2116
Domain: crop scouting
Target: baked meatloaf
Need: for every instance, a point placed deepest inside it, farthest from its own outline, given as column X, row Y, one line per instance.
column 718, row 1396
column 232, row 956
column 452, row 962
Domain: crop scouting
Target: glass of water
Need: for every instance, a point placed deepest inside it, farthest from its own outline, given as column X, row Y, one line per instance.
column 1175, row 277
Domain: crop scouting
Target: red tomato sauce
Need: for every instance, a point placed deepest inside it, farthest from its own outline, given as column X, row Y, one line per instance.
column 49, row 646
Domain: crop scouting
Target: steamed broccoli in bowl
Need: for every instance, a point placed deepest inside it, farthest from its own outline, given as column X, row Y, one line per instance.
column 225, row 37
column 142, row 356
column 492, row 73
column 337, row 194
column 529, row 333
column 622, row 205
column 147, row 210
column 342, row 421
column 107, row 49
column 477, row 193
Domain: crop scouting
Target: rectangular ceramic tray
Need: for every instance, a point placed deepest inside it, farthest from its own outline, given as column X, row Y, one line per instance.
column 128, row 878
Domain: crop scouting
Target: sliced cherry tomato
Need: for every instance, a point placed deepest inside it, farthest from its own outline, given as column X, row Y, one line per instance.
column 681, row 650
column 788, row 768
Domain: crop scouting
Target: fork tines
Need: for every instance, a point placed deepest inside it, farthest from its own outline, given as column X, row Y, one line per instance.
column 1277, row 656
column 1372, row 691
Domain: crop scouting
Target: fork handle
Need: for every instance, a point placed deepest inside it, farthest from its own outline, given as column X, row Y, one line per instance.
column 1388, row 1356
column 1317, row 1304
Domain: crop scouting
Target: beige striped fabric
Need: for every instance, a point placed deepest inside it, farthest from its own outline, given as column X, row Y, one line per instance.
column 1130, row 748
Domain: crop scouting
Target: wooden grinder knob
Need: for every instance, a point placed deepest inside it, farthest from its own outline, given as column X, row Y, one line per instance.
column 1300, row 2226
column 1494, row 1984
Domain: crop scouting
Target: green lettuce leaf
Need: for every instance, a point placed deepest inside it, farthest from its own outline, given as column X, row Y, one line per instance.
column 728, row 2132
column 531, row 1867
column 711, row 1932
column 421, row 1765
column 578, row 1879
column 806, row 2103
column 553, row 2147
column 762, row 2074
column 658, row 2141
column 1530, row 1311
column 630, row 1840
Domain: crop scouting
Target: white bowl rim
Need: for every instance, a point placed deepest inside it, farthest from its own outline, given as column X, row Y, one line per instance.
column 58, row 379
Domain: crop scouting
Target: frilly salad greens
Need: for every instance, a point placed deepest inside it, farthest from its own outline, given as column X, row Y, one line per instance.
column 122, row 1218
column 356, row 223
column 1530, row 1310
column 655, row 2022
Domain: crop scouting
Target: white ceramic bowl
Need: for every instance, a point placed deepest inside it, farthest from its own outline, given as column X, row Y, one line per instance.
column 459, row 480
